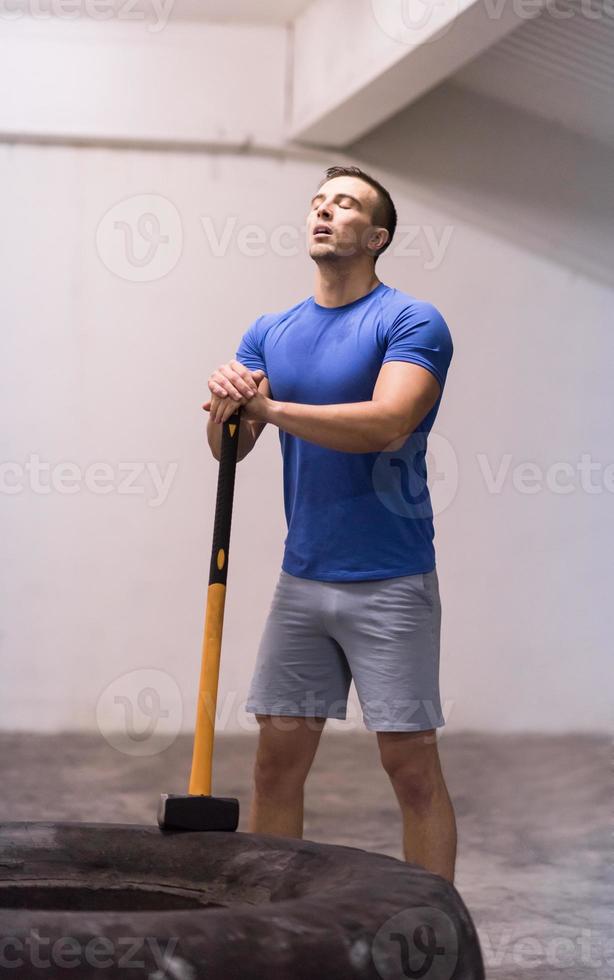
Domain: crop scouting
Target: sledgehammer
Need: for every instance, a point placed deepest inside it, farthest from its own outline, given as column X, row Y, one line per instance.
column 198, row 810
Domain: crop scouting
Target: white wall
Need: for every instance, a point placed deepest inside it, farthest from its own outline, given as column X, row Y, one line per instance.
column 527, row 283
column 144, row 81
column 100, row 367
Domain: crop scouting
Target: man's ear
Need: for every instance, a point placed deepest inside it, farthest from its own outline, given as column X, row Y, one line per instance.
column 378, row 239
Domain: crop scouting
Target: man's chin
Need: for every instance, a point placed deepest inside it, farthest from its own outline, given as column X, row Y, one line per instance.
column 323, row 251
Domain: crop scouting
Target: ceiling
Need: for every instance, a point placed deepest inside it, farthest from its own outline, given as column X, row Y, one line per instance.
column 559, row 65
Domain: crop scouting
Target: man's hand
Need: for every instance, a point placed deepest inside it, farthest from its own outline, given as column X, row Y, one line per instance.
column 231, row 385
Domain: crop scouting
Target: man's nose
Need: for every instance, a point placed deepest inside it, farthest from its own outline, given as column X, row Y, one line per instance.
column 324, row 209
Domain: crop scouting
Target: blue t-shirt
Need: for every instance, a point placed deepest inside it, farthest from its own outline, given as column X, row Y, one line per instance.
column 351, row 516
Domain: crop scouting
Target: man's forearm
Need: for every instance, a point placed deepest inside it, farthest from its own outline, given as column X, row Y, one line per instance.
column 214, row 438
column 352, row 427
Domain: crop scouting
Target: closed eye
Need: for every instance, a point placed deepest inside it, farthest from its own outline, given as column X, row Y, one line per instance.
column 344, row 202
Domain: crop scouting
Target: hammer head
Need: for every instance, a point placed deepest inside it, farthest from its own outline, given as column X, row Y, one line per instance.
column 197, row 812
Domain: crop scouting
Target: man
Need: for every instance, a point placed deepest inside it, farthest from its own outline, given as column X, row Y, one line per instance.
column 352, row 377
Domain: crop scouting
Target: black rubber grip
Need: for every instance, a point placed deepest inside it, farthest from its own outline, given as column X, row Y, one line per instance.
column 225, row 493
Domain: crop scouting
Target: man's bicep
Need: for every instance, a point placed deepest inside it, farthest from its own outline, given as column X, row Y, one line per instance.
column 409, row 392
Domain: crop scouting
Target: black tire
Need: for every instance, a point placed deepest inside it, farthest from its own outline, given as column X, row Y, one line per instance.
column 222, row 906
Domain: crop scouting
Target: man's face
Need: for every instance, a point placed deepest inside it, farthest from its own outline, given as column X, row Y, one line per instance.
column 340, row 220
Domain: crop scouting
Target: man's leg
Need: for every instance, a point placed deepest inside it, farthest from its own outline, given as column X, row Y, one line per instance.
column 286, row 748
column 411, row 760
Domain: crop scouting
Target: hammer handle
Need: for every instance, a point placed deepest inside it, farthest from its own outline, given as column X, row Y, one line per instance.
column 202, row 758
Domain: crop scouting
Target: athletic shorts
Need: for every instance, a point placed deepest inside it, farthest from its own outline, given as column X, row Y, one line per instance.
column 381, row 633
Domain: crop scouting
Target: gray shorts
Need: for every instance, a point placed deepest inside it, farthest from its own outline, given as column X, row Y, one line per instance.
column 381, row 633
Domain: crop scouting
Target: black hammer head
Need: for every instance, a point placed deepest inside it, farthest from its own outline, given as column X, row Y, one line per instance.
column 197, row 812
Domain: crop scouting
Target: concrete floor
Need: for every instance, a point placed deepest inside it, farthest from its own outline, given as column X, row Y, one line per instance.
column 534, row 817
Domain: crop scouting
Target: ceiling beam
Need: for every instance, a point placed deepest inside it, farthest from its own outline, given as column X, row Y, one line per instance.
column 358, row 62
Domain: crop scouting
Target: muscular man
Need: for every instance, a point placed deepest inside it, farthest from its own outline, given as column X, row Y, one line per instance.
column 353, row 378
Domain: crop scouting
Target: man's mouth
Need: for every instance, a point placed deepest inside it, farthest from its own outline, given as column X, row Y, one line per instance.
column 322, row 230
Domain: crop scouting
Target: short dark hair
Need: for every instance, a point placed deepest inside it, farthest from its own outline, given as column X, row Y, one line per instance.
column 384, row 213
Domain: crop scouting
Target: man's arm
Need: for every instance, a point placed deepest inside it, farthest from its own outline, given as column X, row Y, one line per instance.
column 404, row 393
column 249, row 429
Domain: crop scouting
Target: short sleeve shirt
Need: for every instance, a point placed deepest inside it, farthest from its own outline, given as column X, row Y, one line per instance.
column 352, row 516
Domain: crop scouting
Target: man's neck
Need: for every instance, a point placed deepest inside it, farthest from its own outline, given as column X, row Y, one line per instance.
column 336, row 286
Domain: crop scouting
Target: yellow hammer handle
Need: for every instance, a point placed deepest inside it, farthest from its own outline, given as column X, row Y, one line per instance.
column 202, row 757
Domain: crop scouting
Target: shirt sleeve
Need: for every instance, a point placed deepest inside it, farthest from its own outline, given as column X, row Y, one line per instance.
column 420, row 334
column 250, row 351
